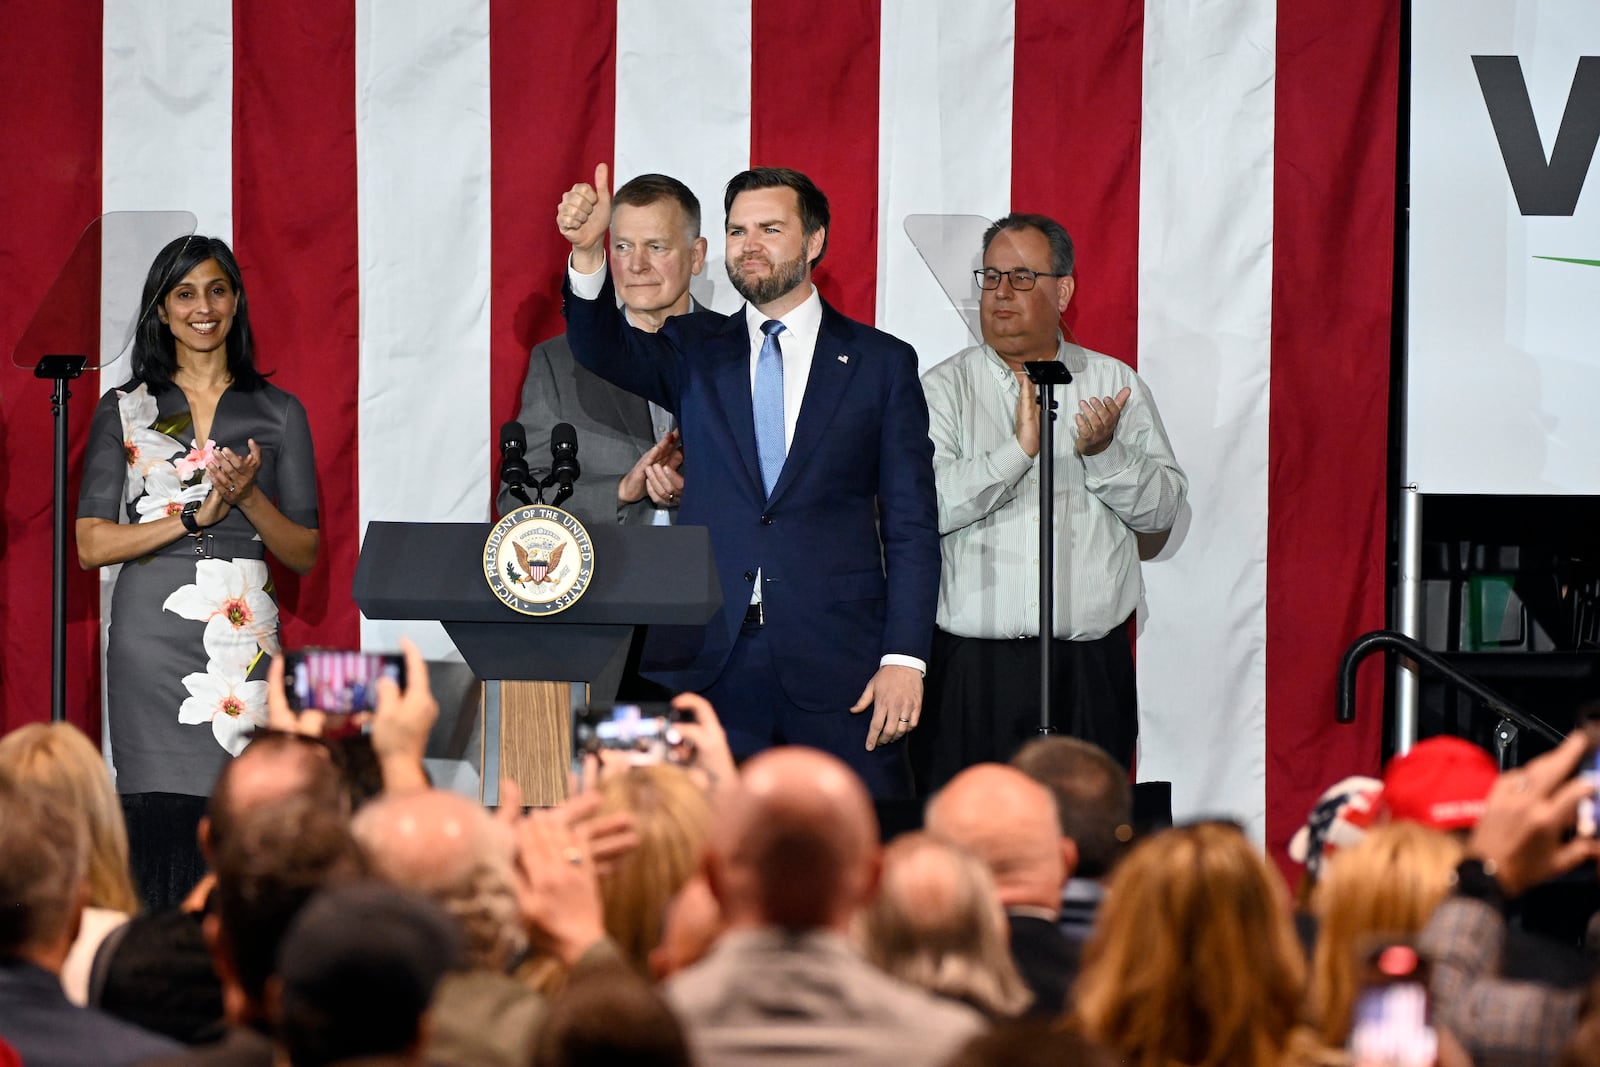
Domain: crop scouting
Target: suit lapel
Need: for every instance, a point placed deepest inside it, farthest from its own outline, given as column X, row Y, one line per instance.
column 731, row 378
column 833, row 365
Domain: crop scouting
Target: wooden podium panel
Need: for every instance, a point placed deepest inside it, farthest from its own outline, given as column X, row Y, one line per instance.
column 533, row 743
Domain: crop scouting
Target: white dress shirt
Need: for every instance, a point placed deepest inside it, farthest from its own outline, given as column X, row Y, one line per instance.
column 989, row 498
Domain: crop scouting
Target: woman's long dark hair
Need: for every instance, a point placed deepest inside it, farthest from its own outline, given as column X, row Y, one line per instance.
column 155, row 354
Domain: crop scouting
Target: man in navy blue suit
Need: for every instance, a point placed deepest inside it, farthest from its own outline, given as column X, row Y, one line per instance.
column 806, row 454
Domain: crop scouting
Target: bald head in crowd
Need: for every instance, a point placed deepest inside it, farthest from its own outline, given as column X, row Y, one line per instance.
column 272, row 767
column 451, row 850
column 1009, row 821
column 798, row 847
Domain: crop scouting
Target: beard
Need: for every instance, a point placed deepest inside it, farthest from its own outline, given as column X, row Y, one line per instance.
column 784, row 277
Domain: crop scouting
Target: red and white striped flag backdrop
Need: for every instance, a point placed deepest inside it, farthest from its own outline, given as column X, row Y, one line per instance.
column 387, row 173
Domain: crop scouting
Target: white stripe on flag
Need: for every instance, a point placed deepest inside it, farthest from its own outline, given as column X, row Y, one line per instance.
column 167, row 119
column 683, row 109
column 422, row 144
column 1205, row 303
column 166, row 144
column 944, row 147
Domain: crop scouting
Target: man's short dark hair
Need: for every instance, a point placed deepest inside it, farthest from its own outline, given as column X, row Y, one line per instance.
column 1092, row 794
column 274, row 859
column 649, row 189
column 608, row 1014
column 44, row 860
column 1061, row 254
column 359, row 966
column 814, row 213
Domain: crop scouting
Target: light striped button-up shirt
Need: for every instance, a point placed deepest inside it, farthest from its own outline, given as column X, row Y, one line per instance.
column 989, row 498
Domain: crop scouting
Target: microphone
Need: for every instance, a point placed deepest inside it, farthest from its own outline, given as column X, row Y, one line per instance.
column 513, row 467
column 564, row 454
column 564, row 468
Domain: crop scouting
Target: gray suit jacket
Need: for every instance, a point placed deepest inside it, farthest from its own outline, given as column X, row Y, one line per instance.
column 613, row 428
column 767, row 996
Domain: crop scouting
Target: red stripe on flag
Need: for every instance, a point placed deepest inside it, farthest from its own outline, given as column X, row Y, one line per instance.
column 1075, row 124
column 814, row 107
column 552, row 100
column 1337, row 99
column 50, row 115
column 294, row 196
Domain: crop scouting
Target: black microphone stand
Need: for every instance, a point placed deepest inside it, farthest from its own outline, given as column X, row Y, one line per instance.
column 1045, row 375
column 514, row 472
column 60, row 369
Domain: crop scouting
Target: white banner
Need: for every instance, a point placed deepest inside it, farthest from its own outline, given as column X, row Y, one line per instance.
column 1503, row 369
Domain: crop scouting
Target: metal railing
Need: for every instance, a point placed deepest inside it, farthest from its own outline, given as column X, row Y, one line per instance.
column 1512, row 720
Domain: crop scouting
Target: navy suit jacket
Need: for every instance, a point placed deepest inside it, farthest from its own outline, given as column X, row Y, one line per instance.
column 38, row 1021
column 848, row 543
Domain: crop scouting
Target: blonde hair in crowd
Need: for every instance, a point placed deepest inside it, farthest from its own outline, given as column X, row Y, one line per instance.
column 1385, row 885
column 58, row 759
column 1194, row 958
column 672, row 815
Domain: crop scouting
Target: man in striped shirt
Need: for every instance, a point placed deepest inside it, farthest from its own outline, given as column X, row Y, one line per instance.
column 1115, row 477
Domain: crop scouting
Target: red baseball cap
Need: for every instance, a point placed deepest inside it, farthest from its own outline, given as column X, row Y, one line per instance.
column 1441, row 782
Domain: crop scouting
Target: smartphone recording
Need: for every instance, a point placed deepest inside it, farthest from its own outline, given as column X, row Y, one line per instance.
column 640, row 734
column 1589, row 771
column 337, row 681
column 1391, row 1021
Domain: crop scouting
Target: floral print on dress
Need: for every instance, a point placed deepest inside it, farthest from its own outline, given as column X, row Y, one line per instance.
column 146, row 449
column 196, row 459
column 165, row 495
column 223, row 695
column 230, row 597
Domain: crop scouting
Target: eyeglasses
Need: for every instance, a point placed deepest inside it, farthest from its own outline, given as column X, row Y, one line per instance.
column 1022, row 279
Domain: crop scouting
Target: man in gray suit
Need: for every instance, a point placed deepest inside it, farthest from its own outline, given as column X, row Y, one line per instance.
column 793, row 854
column 628, row 448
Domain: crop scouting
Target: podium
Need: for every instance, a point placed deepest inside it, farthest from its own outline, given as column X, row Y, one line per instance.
column 643, row 576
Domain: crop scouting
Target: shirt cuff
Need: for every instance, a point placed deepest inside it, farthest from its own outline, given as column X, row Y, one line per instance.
column 586, row 286
column 1109, row 463
column 1010, row 461
column 896, row 660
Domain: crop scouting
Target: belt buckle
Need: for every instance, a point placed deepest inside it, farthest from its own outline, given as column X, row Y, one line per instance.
column 204, row 545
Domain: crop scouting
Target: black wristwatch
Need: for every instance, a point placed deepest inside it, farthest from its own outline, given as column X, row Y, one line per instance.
column 187, row 516
column 1476, row 879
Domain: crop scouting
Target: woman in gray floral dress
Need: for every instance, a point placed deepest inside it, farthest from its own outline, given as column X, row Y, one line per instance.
column 195, row 471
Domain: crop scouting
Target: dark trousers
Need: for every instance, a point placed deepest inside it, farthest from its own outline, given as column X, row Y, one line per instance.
column 757, row 714
column 982, row 701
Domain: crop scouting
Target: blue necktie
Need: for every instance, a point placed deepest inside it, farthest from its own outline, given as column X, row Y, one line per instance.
column 768, row 403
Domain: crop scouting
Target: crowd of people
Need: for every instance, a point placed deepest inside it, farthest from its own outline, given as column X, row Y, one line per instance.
column 699, row 912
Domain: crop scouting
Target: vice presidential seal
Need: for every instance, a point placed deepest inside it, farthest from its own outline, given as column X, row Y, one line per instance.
column 538, row 560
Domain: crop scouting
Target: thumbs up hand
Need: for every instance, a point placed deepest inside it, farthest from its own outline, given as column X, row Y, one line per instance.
column 583, row 217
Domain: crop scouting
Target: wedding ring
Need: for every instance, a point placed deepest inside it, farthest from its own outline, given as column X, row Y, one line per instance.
column 905, row 720
column 232, row 487
column 574, row 857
